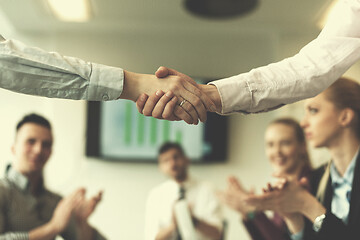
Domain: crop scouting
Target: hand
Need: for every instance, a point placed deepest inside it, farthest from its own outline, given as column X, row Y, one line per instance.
column 86, row 206
column 196, row 101
column 64, row 210
column 235, row 195
column 164, row 106
column 285, row 197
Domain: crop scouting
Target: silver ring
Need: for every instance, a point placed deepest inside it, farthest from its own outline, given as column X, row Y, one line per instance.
column 182, row 102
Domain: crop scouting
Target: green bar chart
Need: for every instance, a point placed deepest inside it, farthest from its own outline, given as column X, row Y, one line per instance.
column 126, row 133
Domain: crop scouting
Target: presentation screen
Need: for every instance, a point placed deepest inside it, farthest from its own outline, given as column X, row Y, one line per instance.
column 117, row 131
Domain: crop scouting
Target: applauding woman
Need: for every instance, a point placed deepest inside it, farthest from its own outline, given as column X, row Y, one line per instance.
column 332, row 120
column 286, row 150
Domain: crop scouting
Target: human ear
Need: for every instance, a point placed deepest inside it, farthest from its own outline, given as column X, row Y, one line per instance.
column 346, row 117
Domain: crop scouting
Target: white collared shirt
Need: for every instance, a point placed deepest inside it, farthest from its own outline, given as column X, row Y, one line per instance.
column 304, row 75
column 34, row 71
column 200, row 197
column 340, row 204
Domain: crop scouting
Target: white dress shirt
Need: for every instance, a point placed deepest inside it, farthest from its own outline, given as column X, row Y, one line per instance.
column 37, row 72
column 200, row 196
column 342, row 186
column 304, row 75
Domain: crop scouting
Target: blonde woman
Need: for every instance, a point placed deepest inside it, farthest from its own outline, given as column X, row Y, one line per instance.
column 332, row 121
column 285, row 147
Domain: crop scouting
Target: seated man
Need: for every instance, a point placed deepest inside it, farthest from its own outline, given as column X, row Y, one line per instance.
column 204, row 206
column 27, row 209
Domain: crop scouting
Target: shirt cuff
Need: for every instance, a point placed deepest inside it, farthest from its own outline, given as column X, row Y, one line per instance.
column 297, row 236
column 106, row 83
column 234, row 93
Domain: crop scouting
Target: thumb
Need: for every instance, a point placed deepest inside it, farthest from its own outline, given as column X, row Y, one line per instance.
column 304, row 182
column 164, row 72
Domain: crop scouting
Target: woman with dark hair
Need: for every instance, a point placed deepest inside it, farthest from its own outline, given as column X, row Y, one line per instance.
column 332, row 121
column 285, row 147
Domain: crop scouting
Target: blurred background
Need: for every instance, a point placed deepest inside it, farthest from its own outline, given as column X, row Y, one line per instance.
column 140, row 36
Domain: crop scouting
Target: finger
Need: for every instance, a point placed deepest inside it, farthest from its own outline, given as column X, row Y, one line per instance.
column 270, row 187
column 160, row 105
column 191, row 86
column 162, row 72
column 169, row 110
column 238, row 185
column 206, row 102
column 140, row 102
column 304, row 182
column 182, row 114
column 188, row 107
column 98, row 196
column 198, row 107
column 151, row 102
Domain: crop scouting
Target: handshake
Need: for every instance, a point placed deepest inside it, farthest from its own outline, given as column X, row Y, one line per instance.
column 171, row 95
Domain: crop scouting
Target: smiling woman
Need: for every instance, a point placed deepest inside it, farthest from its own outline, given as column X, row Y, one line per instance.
column 286, row 150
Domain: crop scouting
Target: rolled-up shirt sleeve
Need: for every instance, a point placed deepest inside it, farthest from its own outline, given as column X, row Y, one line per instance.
column 304, row 75
column 14, row 236
column 31, row 70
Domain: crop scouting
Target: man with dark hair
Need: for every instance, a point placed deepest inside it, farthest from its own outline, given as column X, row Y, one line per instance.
column 204, row 207
column 27, row 209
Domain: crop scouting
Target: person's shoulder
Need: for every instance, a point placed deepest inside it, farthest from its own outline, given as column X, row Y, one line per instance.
column 5, row 185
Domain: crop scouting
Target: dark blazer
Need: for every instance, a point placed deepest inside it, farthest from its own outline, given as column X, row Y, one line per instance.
column 333, row 228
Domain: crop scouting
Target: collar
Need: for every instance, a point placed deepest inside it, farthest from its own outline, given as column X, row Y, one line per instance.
column 348, row 177
column 188, row 183
column 19, row 179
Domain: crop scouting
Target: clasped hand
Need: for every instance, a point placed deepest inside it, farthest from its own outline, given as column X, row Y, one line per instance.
column 185, row 99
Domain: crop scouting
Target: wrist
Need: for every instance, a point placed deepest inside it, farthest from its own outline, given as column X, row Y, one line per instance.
column 212, row 91
column 249, row 216
column 312, row 208
column 131, row 88
column 52, row 228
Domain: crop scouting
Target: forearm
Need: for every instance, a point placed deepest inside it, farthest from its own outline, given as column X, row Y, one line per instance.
column 312, row 208
column 85, row 231
column 44, row 232
column 304, row 75
column 34, row 71
column 207, row 229
column 211, row 91
column 295, row 223
column 166, row 233
column 132, row 85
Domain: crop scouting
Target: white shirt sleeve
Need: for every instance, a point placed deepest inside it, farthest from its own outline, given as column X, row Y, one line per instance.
column 34, row 71
column 304, row 75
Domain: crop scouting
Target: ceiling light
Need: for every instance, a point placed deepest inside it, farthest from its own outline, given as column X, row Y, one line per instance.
column 220, row 8
column 324, row 18
column 71, row 10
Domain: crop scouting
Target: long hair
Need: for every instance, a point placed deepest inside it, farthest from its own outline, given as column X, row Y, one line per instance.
column 344, row 93
column 300, row 137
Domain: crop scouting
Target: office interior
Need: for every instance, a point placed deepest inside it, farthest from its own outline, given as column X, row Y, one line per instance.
column 140, row 36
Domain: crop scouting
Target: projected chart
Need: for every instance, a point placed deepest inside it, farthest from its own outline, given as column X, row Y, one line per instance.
column 128, row 134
